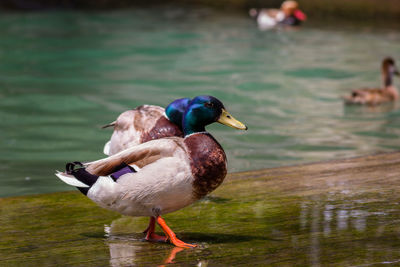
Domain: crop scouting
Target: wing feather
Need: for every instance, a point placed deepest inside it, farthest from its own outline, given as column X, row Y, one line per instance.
column 140, row 155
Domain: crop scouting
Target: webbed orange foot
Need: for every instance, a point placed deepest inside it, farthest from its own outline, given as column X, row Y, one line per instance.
column 181, row 244
column 171, row 235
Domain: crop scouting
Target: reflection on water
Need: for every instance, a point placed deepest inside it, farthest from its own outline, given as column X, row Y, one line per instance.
column 125, row 252
column 122, row 253
column 129, row 250
column 314, row 235
column 333, row 215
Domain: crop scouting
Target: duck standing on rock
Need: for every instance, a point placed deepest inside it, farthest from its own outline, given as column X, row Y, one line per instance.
column 145, row 123
column 375, row 96
column 174, row 171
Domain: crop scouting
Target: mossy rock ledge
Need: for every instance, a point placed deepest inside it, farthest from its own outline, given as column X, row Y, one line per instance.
column 336, row 213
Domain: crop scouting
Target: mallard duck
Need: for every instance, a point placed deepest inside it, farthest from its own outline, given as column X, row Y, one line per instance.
column 145, row 123
column 374, row 96
column 288, row 14
column 173, row 172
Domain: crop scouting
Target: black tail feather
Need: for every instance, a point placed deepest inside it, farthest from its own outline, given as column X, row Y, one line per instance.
column 112, row 124
column 79, row 172
column 82, row 175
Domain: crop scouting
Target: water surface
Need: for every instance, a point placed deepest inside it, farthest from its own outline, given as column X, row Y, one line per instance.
column 64, row 74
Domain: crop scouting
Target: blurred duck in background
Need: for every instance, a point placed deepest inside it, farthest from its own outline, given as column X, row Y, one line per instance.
column 375, row 96
column 289, row 14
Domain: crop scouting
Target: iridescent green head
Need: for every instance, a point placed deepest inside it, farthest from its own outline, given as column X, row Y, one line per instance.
column 204, row 110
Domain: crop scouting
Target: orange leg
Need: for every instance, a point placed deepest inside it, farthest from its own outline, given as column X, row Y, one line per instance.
column 171, row 235
column 150, row 235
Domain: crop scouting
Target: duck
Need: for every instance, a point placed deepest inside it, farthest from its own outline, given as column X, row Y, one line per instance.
column 161, row 175
column 375, row 96
column 145, row 123
column 289, row 14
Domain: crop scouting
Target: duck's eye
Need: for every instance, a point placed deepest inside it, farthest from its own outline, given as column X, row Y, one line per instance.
column 208, row 105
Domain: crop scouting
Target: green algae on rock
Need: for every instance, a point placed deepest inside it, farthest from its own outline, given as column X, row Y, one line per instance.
column 336, row 213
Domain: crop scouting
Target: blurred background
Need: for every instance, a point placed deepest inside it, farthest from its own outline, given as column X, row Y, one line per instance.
column 69, row 67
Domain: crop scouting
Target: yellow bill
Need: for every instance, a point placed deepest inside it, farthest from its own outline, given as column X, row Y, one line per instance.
column 228, row 120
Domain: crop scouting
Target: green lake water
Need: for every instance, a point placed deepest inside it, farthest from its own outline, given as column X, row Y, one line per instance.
column 64, row 74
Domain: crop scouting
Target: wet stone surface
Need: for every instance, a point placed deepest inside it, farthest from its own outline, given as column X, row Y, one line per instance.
column 338, row 213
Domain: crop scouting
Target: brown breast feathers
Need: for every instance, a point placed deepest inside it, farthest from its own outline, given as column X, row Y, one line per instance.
column 208, row 163
column 162, row 128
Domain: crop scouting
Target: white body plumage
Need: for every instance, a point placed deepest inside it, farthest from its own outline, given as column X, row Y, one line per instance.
column 163, row 184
